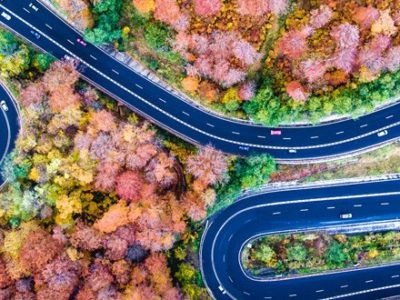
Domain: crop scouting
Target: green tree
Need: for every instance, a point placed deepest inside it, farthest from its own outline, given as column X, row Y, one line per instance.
column 254, row 170
column 297, row 253
column 264, row 253
column 335, row 255
column 107, row 14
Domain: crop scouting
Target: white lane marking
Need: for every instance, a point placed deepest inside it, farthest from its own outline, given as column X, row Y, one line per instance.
column 287, row 138
column 224, row 258
column 230, row 237
column 276, row 213
column 185, row 113
column 139, row 86
column 247, row 221
column 71, row 42
column 261, row 136
column 339, row 132
column 230, row 279
column 330, row 207
column 211, row 125
column 246, row 293
column 385, row 203
column 395, row 276
column 93, row 57
column 26, row 10
column 357, row 205
column 162, row 100
column 369, row 281
column 48, row 26
column 389, row 117
column 267, row 297
column 116, row 72
column 319, row 291
column 314, row 137
column 292, row 295
column 344, row 286
column 363, row 125
column 304, row 209
column 235, row 132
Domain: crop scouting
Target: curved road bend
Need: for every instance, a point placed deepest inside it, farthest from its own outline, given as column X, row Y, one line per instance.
column 298, row 209
column 186, row 120
column 9, row 125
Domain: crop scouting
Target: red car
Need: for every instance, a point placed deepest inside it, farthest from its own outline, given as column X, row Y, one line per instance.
column 82, row 42
column 276, row 132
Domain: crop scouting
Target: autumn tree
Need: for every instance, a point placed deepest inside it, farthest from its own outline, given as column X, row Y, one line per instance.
column 209, row 165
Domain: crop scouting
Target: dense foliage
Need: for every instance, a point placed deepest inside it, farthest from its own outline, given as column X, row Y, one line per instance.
column 312, row 253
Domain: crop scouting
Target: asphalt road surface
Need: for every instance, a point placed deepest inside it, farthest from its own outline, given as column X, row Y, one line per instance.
column 192, row 123
column 9, row 125
column 309, row 208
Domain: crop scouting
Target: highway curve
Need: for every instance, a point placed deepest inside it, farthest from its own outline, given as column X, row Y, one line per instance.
column 312, row 207
column 9, row 125
column 187, row 120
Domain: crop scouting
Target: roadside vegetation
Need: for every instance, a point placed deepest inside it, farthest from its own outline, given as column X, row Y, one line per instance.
column 290, row 255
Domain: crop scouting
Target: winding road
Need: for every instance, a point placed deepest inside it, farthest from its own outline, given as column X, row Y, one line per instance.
column 298, row 209
column 312, row 207
column 9, row 124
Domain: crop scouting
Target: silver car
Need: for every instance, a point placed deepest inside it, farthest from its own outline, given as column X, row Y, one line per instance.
column 3, row 105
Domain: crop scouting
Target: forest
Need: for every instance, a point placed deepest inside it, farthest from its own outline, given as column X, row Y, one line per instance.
column 260, row 60
column 100, row 203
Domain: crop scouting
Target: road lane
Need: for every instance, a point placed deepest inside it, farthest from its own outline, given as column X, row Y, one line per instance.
column 9, row 125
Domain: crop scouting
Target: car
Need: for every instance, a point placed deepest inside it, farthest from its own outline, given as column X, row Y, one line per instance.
column 81, row 41
column 222, row 290
column 346, row 216
column 35, row 34
column 245, row 148
column 3, row 105
column 6, row 16
column 292, row 151
column 33, row 6
column 276, row 132
column 382, row 133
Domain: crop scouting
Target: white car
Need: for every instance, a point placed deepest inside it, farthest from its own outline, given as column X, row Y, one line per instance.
column 6, row 16
column 346, row 216
column 35, row 8
column 382, row 133
column 35, row 34
column 3, row 105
